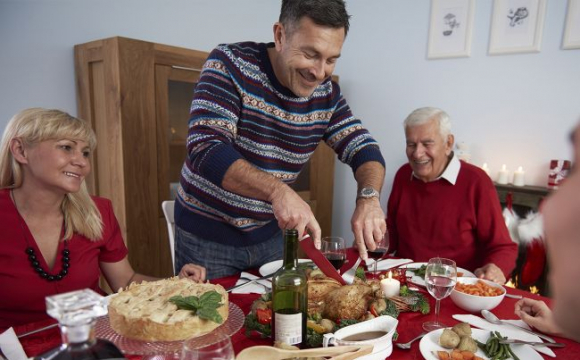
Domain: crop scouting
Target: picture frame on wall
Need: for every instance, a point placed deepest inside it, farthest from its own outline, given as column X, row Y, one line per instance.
column 572, row 28
column 450, row 28
column 517, row 26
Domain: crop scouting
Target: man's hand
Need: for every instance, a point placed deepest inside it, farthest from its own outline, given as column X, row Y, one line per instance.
column 491, row 272
column 538, row 315
column 294, row 213
column 194, row 272
column 368, row 225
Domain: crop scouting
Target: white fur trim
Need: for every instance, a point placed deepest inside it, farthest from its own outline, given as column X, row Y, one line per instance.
column 531, row 228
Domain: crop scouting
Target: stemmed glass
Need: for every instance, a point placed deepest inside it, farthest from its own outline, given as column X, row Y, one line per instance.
column 219, row 349
column 334, row 249
column 379, row 252
column 440, row 278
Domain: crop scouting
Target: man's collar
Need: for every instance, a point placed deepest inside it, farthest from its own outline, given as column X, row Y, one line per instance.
column 451, row 171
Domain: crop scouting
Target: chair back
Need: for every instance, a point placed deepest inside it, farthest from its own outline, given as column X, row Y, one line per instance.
column 167, row 207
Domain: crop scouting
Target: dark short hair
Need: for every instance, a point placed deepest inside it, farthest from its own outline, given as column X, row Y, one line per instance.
column 331, row 13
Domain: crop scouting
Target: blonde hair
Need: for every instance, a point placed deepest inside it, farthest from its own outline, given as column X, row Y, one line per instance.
column 36, row 125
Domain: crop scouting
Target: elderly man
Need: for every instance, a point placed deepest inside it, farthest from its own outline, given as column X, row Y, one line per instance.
column 258, row 113
column 441, row 206
column 561, row 213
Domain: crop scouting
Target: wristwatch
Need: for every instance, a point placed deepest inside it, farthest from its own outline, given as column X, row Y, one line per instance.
column 367, row 193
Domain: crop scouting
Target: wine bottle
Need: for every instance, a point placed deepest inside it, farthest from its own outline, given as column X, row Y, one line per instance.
column 290, row 296
column 76, row 312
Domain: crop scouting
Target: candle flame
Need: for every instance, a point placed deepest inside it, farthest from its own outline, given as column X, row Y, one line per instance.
column 503, row 167
column 390, row 274
column 520, row 169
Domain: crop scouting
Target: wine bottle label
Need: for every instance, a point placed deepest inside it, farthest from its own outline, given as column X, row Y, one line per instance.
column 288, row 328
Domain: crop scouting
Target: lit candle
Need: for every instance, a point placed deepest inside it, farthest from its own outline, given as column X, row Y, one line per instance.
column 519, row 177
column 485, row 168
column 390, row 286
column 502, row 175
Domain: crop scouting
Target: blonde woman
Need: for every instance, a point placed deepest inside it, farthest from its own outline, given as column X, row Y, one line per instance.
column 55, row 236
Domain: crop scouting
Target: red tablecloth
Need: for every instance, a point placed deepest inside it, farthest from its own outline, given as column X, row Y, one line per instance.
column 409, row 325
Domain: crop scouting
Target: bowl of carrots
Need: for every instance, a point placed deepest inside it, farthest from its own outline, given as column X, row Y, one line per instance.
column 473, row 294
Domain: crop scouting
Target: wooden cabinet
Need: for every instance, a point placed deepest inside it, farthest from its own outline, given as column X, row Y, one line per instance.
column 136, row 95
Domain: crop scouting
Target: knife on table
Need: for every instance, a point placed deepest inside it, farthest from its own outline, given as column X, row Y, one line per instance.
column 251, row 282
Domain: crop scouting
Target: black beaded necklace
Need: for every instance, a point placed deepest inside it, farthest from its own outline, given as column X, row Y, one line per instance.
column 34, row 259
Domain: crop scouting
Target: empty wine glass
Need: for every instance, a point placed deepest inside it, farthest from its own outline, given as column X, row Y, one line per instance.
column 379, row 252
column 334, row 249
column 440, row 279
column 219, row 348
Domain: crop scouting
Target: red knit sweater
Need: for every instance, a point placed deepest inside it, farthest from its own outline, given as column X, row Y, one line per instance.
column 462, row 222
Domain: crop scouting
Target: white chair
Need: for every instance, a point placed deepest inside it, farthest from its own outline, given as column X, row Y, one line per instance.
column 167, row 207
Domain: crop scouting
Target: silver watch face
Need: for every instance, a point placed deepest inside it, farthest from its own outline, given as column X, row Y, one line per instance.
column 368, row 193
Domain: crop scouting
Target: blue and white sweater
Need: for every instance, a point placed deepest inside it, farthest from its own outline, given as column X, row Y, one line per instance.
column 241, row 111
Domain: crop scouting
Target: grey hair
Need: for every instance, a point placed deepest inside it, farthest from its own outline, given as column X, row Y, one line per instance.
column 425, row 114
column 331, row 13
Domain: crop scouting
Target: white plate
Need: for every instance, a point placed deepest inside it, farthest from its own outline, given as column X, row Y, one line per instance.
column 430, row 342
column 417, row 280
column 272, row 266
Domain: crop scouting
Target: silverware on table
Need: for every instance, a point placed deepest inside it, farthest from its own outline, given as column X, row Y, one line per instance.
column 407, row 345
column 37, row 330
column 489, row 316
column 533, row 343
column 251, row 282
column 513, row 296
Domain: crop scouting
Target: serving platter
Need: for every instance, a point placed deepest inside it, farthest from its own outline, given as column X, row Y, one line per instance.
column 430, row 343
column 103, row 330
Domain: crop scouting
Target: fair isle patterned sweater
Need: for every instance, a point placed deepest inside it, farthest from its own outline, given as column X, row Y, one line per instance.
column 241, row 111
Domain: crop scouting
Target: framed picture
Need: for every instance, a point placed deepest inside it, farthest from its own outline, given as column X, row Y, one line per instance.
column 516, row 26
column 572, row 29
column 450, row 29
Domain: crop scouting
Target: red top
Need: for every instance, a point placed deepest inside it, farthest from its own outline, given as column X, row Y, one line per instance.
column 462, row 222
column 23, row 290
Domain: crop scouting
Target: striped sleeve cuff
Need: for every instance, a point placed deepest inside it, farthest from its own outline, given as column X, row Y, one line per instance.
column 366, row 154
column 217, row 161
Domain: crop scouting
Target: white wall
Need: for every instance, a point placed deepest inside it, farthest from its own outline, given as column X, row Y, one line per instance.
column 512, row 109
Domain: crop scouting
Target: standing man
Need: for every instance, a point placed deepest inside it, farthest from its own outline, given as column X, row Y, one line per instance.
column 258, row 113
column 441, row 206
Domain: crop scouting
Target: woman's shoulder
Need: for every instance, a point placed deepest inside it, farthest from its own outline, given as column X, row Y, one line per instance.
column 103, row 204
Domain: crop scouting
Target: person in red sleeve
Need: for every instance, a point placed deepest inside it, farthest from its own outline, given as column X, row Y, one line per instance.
column 55, row 237
column 442, row 206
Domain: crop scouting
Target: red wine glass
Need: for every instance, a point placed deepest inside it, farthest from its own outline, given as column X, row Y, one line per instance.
column 334, row 249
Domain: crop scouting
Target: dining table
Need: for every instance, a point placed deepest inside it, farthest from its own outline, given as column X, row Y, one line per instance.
column 410, row 323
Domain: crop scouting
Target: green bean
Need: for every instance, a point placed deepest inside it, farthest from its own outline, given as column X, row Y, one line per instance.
column 512, row 353
column 494, row 350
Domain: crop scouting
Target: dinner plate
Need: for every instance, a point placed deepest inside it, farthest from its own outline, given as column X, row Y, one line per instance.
column 430, row 342
column 417, row 280
column 273, row 266
column 103, row 330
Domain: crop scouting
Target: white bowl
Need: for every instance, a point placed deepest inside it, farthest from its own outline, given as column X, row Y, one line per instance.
column 382, row 346
column 475, row 303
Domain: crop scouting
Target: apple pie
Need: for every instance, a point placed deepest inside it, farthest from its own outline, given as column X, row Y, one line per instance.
column 144, row 312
